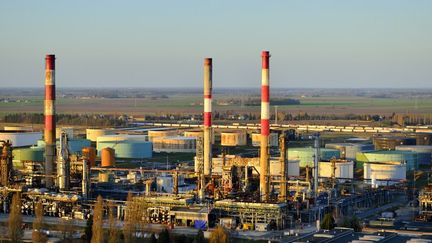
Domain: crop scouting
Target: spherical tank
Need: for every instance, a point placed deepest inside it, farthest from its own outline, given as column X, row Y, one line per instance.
column 107, row 157
column 90, row 154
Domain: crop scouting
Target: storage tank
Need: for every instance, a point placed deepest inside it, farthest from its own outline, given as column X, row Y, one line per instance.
column 107, row 157
column 390, row 142
column 344, row 169
column 233, row 139
column 90, row 154
column 75, row 146
column 177, row 144
column 20, row 138
column 293, row 167
column 424, row 152
column 408, row 157
column 127, row 148
column 306, row 155
column 93, row 133
column 18, row 128
column 349, row 150
column 29, row 154
column 161, row 133
column 357, row 140
column 68, row 130
column 384, row 173
column 273, row 139
column 421, row 138
column 106, row 177
column 196, row 134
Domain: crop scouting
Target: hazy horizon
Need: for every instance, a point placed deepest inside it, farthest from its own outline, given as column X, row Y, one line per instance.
column 148, row 44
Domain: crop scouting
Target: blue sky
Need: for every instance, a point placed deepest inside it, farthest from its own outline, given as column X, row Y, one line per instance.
column 314, row 44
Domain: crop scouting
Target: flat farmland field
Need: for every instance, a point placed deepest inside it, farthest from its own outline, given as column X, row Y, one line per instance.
column 192, row 103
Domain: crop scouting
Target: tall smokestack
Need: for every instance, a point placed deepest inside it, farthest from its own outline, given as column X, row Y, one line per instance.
column 207, row 115
column 265, row 127
column 50, row 126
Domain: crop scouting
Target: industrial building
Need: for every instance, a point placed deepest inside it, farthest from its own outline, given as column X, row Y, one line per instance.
column 260, row 189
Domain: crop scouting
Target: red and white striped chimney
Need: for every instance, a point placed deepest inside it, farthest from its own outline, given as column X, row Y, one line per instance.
column 208, row 66
column 265, row 127
column 50, row 125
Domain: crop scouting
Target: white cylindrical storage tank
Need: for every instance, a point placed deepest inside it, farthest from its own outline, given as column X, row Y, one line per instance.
column 344, row 169
column 18, row 128
column 68, row 130
column 384, row 173
column 196, row 134
column 93, row 133
column 349, row 150
column 177, row 144
column 21, row 139
column 161, row 133
column 233, row 138
column 273, row 139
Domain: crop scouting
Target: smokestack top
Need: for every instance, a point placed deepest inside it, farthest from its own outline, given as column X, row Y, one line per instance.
column 207, row 61
column 265, row 59
column 50, row 61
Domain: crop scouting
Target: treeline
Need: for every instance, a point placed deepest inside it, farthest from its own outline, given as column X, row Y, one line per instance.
column 276, row 101
column 67, row 119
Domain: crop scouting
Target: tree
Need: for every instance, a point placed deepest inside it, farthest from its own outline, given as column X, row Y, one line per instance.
column 219, row 235
column 88, row 228
column 328, row 222
column 152, row 239
column 352, row 222
column 37, row 235
column 164, row 236
column 199, row 237
column 113, row 231
column 15, row 219
column 130, row 221
column 98, row 221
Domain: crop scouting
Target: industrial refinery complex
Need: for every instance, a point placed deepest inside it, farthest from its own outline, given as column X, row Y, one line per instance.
column 260, row 181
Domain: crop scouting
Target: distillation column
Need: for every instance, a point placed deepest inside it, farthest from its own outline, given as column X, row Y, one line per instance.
column 50, row 126
column 265, row 128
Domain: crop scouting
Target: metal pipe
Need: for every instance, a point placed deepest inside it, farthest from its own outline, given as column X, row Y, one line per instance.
column 50, row 126
column 63, row 163
column 85, row 179
column 316, row 163
column 283, row 173
column 208, row 66
column 265, row 127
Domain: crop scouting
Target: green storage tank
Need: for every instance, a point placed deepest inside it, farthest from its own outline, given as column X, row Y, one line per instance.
column 29, row 154
column 75, row 145
column 410, row 158
column 306, row 155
